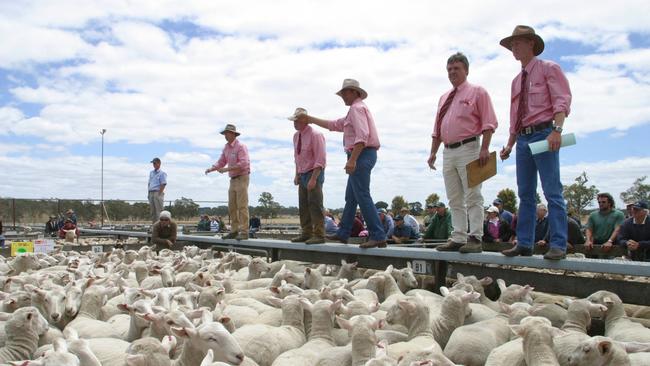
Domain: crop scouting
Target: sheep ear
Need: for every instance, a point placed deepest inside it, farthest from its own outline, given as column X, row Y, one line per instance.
column 408, row 265
column 373, row 307
column 406, row 305
column 379, row 324
column 604, row 347
column 274, row 301
column 284, row 267
column 518, row 330
column 505, row 308
column 343, row 262
column 471, row 296
column 389, row 269
column 502, row 284
column 135, row 360
column 123, row 307
column 444, row 291
column 485, row 281
column 169, row 343
column 207, row 360
column 274, row 289
column 336, row 305
column 308, row 270
column 343, row 323
column 567, row 301
column 460, row 277
column 4, row 316
column 635, row 347
column 306, row 304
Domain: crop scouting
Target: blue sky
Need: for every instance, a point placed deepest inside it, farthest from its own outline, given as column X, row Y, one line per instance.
column 163, row 79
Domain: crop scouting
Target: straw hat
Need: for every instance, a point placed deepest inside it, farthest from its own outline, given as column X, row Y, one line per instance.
column 297, row 113
column 524, row 31
column 231, row 128
column 352, row 84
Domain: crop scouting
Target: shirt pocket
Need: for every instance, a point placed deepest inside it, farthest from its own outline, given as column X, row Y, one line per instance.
column 538, row 96
column 466, row 108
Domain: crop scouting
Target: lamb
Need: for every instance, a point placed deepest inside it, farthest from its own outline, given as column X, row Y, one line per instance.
column 58, row 356
column 452, row 313
column 150, row 352
column 81, row 348
column 348, row 271
column 50, row 303
column 313, row 279
column 86, row 323
column 362, row 345
column 471, row 344
column 23, row 328
column 404, row 277
column 320, row 337
column 617, row 325
column 537, row 334
column 381, row 358
column 166, row 278
column 604, row 351
column 264, row 343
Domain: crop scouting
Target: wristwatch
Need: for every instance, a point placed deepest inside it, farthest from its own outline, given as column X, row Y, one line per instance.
column 557, row 128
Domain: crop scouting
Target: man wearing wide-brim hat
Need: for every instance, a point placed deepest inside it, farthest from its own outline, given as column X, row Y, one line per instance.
column 540, row 101
column 361, row 143
column 235, row 161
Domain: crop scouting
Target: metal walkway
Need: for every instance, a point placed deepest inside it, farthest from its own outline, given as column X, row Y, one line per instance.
column 557, row 276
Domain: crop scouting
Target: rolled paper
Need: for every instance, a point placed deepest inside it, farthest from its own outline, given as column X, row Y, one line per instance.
column 542, row 146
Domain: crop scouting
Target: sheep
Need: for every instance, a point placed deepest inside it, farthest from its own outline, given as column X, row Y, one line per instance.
column 149, row 352
column 58, row 356
column 537, row 334
column 601, row 351
column 165, row 278
column 209, row 357
column 405, row 278
column 209, row 335
column 313, row 279
column 348, row 271
column 617, row 326
column 362, row 343
column 452, row 313
column 264, row 343
column 471, row 344
column 413, row 313
column 320, row 337
column 381, row 358
column 86, row 323
column 50, row 303
column 81, row 348
column 23, row 328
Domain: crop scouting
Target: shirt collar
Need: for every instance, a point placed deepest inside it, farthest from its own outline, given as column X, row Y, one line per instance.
column 462, row 86
column 234, row 143
column 357, row 101
column 640, row 223
column 531, row 64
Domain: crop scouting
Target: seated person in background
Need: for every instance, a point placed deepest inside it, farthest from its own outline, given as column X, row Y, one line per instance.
column 431, row 213
column 504, row 214
column 330, row 224
column 222, row 225
column 68, row 226
column 541, row 225
column 254, row 225
column 495, row 229
column 214, row 225
column 603, row 225
column 574, row 233
column 71, row 215
column 410, row 220
column 402, row 232
column 204, row 224
column 635, row 233
column 51, row 226
column 357, row 227
column 164, row 231
column 440, row 227
column 387, row 222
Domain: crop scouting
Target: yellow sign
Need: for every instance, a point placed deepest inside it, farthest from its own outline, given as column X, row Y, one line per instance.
column 18, row 247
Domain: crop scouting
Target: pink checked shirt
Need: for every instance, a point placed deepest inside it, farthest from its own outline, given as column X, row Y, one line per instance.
column 312, row 151
column 234, row 154
column 357, row 126
column 548, row 93
column 470, row 114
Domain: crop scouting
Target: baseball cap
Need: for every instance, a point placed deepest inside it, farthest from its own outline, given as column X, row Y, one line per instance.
column 497, row 201
column 398, row 218
column 155, row 160
column 640, row 204
column 439, row 204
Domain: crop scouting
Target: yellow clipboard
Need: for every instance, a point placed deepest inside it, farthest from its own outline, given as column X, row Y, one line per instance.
column 477, row 174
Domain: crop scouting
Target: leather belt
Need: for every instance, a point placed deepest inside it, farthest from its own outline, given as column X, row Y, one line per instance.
column 536, row 128
column 461, row 143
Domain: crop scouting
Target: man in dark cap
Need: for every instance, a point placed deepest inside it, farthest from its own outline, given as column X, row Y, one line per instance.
column 540, row 101
column 157, row 184
column 635, row 233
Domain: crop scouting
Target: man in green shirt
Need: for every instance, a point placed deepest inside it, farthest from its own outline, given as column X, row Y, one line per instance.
column 440, row 226
column 603, row 225
column 164, row 232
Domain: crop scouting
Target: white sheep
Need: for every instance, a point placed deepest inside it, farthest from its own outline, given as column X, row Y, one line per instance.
column 23, row 328
column 86, row 323
column 150, row 352
column 381, row 357
column 209, row 358
column 603, row 351
column 58, row 356
column 452, row 313
column 362, row 343
column 537, row 338
column 617, row 325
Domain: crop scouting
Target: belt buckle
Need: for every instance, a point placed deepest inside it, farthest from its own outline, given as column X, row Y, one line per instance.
column 528, row 130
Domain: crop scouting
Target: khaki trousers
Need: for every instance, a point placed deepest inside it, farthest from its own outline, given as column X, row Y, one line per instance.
column 466, row 204
column 238, row 203
column 310, row 207
column 155, row 204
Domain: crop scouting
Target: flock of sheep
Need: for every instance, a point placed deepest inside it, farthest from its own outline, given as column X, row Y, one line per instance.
column 189, row 309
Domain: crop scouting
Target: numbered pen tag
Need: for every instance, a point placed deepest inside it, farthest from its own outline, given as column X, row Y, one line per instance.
column 97, row 249
column 419, row 267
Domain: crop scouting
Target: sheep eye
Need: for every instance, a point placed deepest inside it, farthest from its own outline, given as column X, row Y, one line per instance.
column 170, row 322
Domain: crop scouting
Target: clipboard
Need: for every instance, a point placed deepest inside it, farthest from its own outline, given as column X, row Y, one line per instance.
column 476, row 174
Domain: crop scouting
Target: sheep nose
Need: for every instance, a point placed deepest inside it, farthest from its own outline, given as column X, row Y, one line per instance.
column 240, row 357
column 55, row 316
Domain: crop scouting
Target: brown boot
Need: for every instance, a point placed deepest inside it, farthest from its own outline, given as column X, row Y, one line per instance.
column 473, row 246
column 300, row 239
column 231, row 235
column 373, row 243
column 315, row 240
column 451, row 246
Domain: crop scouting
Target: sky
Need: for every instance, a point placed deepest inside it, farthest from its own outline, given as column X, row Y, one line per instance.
column 163, row 77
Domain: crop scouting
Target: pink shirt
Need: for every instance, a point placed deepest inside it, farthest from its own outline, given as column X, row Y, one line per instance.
column 312, row 150
column 357, row 126
column 548, row 93
column 469, row 114
column 234, row 154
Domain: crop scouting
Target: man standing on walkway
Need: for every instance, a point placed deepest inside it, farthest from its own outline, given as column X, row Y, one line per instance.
column 234, row 160
column 310, row 158
column 361, row 142
column 540, row 101
column 465, row 114
column 157, row 184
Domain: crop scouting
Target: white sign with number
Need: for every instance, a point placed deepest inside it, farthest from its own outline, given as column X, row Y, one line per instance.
column 43, row 246
column 97, row 249
column 419, row 266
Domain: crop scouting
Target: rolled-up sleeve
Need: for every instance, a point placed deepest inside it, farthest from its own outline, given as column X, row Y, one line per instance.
column 336, row 125
column 559, row 89
column 318, row 146
column 486, row 111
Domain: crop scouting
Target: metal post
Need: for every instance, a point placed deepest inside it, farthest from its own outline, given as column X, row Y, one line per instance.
column 13, row 210
column 102, row 132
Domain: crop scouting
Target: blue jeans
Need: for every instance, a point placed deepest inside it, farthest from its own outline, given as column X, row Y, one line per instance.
column 358, row 192
column 548, row 166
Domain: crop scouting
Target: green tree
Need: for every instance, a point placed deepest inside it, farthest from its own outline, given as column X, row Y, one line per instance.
column 397, row 203
column 509, row 199
column 268, row 208
column 184, row 208
column 381, row 204
column 578, row 195
column 432, row 198
column 117, row 210
column 638, row 191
